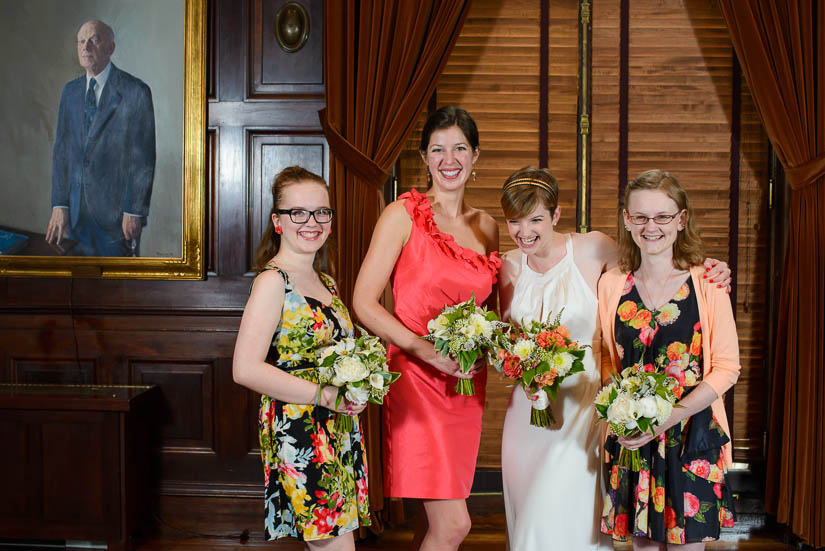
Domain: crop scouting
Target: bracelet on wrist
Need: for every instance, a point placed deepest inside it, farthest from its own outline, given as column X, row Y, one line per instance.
column 317, row 395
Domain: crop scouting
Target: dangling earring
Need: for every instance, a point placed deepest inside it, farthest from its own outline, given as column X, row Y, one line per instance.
column 278, row 230
column 474, row 176
column 429, row 178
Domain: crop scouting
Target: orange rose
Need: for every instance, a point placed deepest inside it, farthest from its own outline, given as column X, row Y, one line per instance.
column 627, row 310
column 543, row 340
column 546, row 379
column 670, row 518
column 675, row 350
column 641, row 319
column 696, row 344
column 659, row 499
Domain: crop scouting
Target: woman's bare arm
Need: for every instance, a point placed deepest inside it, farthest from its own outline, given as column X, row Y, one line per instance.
column 391, row 234
column 249, row 366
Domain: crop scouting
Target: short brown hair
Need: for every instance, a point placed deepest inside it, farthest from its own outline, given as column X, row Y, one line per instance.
column 688, row 249
column 518, row 200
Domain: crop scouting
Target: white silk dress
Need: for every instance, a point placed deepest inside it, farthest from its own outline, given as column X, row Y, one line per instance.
column 552, row 475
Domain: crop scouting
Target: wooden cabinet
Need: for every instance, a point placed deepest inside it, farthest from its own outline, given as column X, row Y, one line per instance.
column 76, row 461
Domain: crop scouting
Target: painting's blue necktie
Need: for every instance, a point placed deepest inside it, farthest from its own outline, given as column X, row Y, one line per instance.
column 90, row 108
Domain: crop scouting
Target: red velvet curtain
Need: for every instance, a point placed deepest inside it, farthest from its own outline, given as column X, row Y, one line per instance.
column 781, row 47
column 382, row 60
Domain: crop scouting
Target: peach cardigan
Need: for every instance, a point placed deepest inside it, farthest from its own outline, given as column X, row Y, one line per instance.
column 720, row 344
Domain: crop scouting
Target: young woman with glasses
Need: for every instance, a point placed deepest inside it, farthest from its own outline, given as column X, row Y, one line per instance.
column 658, row 313
column 315, row 476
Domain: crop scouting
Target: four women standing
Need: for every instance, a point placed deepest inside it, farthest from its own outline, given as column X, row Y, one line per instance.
column 436, row 250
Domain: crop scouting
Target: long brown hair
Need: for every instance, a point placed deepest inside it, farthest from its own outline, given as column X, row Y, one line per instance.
column 528, row 188
column 688, row 249
column 271, row 241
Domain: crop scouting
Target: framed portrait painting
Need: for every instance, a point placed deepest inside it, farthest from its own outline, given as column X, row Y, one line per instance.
column 102, row 160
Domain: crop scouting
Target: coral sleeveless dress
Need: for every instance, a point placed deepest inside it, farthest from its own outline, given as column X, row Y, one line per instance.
column 432, row 434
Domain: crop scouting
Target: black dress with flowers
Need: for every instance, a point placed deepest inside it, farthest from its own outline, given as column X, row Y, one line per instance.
column 679, row 495
column 315, row 475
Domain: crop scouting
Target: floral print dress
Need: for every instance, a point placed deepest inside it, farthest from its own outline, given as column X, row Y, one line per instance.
column 679, row 495
column 315, row 476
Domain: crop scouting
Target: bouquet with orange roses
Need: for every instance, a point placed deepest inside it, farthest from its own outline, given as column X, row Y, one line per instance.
column 539, row 356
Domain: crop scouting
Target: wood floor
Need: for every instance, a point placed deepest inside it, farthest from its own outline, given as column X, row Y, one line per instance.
column 488, row 534
column 398, row 540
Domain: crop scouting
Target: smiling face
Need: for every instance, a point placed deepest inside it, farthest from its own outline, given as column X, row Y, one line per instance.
column 94, row 46
column 310, row 236
column 652, row 238
column 449, row 158
column 534, row 233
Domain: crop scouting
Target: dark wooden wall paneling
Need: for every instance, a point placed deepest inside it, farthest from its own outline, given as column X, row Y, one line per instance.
column 262, row 116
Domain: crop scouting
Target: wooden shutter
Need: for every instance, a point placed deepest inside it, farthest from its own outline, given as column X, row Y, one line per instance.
column 680, row 109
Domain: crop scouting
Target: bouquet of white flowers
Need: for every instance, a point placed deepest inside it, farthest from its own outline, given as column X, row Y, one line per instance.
column 633, row 403
column 538, row 357
column 358, row 367
column 465, row 332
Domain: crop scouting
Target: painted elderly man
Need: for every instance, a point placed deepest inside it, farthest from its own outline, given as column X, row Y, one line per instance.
column 103, row 163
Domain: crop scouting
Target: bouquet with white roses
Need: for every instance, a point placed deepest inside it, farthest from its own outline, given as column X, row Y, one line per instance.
column 635, row 402
column 539, row 356
column 358, row 367
column 465, row 332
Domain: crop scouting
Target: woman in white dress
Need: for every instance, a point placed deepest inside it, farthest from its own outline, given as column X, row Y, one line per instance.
column 552, row 476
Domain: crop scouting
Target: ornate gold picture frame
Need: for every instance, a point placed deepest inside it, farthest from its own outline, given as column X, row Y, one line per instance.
column 179, row 184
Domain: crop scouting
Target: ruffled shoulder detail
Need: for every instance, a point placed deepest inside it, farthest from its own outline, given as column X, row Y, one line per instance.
column 421, row 212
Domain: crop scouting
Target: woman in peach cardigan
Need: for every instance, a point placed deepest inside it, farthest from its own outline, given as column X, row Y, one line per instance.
column 658, row 312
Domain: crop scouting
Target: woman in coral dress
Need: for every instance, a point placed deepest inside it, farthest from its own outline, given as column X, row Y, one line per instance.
column 436, row 251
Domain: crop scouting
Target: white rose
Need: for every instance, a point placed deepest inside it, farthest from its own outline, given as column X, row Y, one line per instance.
column 350, row 369
column 480, row 325
column 623, row 411
column 326, row 373
column 523, row 348
column 630, row 384
column 663, row 410
column 648, row 407
column 377, row 381
column 562, row 363
column 540, row 400
column 603, row 397
column 358, row 394
column 438, row 323
column 466, row 328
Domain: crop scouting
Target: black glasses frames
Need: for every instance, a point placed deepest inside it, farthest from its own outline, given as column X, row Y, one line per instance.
column 301, row 216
